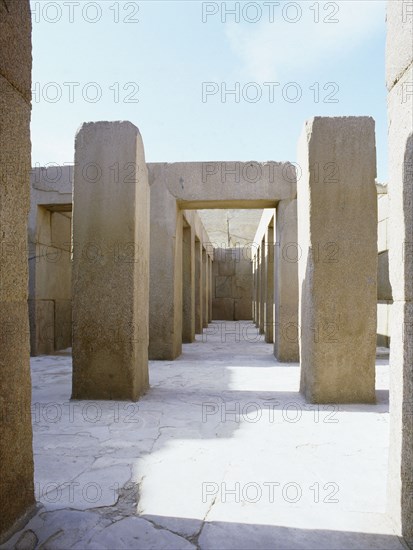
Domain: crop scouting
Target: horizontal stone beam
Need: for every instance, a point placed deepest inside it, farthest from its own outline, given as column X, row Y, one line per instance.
column 198, row 185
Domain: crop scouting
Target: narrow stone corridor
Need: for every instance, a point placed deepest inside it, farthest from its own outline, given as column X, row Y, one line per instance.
column 221, row 452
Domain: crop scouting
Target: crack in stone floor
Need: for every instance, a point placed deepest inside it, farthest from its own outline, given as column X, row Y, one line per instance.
column 222, row 452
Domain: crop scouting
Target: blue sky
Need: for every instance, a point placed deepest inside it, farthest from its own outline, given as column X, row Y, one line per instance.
column 288, row 60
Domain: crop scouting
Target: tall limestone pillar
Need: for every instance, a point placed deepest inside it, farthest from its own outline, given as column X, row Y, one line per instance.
column 337, row 235
column 205, row 287
column 188, row 285
column 287, row 253
column 210, row 284
column 165, row 304
column 262, row 278
column 199, row 324
column 110, row 263
column 254, row 289
column 16, row 455
column 399, row 69
column 269, row 284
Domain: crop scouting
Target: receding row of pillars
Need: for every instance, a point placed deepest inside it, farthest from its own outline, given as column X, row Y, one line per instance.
column 196, row 285
column 275, row 282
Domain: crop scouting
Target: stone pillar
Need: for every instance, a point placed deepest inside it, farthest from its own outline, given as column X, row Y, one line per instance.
column 188, row 285
column 400, row 190
column 205, row 297
column 199, row 324
column 165, row 302
column 337, row 234
column 110, row 263
column 269, row 284
column 210, row 289
column 286, row 329
column 254, row 289
column 16, row 455
column 258, row 276
column 262, row 278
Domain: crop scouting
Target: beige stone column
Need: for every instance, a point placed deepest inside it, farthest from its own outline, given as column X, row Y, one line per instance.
column 188, row 285
column 337, row 234
column 254, row 290
column 165, row 303
column 399, row 78
column 269, row 284
column 16, row 455
column 110, row 263
column 210, row 285
column 205, row 297
column 262, row 278
column 258, row 266
column 199, row 324
column 287, row 253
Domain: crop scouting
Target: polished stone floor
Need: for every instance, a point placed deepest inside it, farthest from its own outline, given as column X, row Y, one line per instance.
column 221, row 453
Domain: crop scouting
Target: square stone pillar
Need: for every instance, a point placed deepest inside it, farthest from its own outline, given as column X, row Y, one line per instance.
column 399, row 76
column 258, row 276
column 199, row 324
column 16, row 455
column 188, row 285
column 337, row 235
column 269, row 284
column 286, row 329
column 262, row 284
column 165, row 303
column 254, row 289
column 210, row 289
column 110, row 263
column 205, row 296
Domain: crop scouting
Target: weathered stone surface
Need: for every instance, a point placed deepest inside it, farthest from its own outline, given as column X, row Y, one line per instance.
column 286, row 257
column 223, row 287
column 205, row 289
column 223, row 309
column 165, row 310
column 269, row 284
column 384, row 290
column 234, row 286
column 16, row 455
column 337, row 234
column 198, row 287
column 188, row 285
column 16, row 47
column 198, row 185
column 42, row 326
column 383, row 220
column 384, row 312
column 400, row 478
column 63, row 324
column 110, row 263
column 242, row 286
column 242, row 310
column 261, row 286
column 50, row 271
column 399, row 40
column 399, row 59
column 400, row 119
column 210, row 288
column 227, row 266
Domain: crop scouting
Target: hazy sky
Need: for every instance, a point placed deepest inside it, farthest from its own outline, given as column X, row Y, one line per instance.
column 169, row 67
